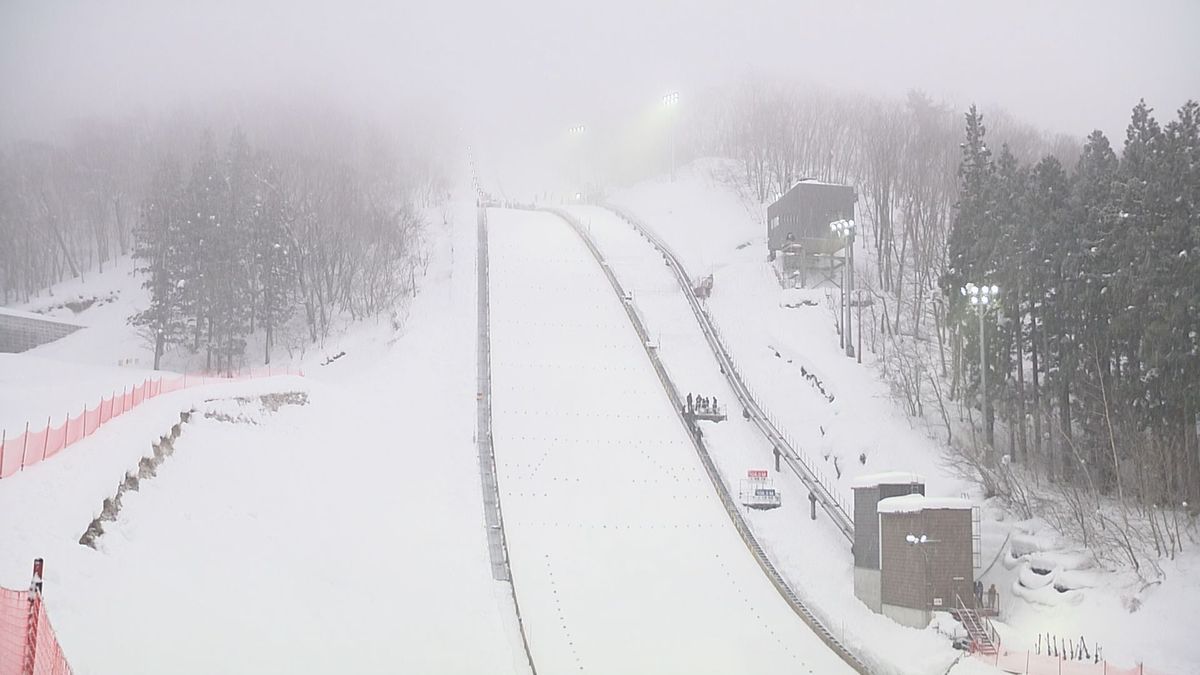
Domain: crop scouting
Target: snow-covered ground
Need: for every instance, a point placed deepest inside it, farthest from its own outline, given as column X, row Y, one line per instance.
column 344, row 535
column 812, row 555
column 839, row 410
column 623, row 557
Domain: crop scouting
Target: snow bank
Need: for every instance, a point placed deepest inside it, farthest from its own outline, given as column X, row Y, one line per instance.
column 915, row 503
column 886, row 478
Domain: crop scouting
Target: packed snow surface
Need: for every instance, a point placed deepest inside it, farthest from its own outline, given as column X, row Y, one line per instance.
column 812, row 555
column 623, row 558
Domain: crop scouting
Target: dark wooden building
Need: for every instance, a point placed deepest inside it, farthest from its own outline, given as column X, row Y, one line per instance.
column 926, row 558
column 798, row 228
column 868, row 491
column 804, row 212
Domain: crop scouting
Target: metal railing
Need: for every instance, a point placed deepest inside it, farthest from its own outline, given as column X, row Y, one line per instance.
column 493, row 516
column 830, row 499
column 970, row 617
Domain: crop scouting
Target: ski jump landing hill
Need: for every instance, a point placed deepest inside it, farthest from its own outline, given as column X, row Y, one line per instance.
column 621, row 552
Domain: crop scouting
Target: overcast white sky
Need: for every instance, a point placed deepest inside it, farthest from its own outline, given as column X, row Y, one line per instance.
column 1066, row 66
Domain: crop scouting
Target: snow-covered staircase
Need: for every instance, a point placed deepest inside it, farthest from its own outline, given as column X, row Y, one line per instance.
column 984, row 638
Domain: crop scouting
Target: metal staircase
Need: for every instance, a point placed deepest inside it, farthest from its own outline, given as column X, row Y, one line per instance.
column 984, row 638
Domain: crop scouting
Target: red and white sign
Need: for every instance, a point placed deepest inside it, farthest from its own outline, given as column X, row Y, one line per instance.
column 756, row 474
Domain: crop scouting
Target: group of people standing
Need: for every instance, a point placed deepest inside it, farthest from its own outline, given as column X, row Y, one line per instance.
column 702, row 404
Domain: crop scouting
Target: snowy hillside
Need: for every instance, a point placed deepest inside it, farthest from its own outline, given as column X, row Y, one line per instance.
column 787, row 347
column 340, row 532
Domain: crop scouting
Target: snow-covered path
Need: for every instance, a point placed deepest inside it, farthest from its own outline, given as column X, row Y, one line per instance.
column 623, row 558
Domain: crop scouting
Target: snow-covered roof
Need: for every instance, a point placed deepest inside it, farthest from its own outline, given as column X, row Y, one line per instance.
column 915, row 503
column 21, row 314
column 886, row 478
column 814, row 181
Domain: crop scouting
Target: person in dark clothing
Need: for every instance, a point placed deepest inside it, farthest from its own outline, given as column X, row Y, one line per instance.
column 992, row 596
column 978, row 592
column 689, row 401
column 714, row 404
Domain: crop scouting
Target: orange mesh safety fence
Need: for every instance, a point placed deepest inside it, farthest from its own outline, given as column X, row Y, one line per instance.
column 1028, row 663
column 36, row 444
column 28, row 645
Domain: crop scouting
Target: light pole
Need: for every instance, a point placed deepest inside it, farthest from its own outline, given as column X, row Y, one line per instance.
column 670, row 100
column 844, row 229
column 981, row 297
column 859, row 302
column 578, row 132
column 920, row 541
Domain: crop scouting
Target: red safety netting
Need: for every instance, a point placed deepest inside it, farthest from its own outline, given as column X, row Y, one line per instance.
column 27, row 640
column 1028, row 663
column 43, row 442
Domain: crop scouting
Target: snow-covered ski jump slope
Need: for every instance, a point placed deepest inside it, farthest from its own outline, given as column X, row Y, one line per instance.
column 622, row 555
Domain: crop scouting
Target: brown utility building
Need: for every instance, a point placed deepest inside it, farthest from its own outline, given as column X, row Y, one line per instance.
column 926, row 558
column 868, row 490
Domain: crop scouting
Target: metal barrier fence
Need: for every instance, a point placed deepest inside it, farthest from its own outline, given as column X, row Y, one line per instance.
column 31, row 447
column 828, row 496
column 740, row 524
column 493, row 515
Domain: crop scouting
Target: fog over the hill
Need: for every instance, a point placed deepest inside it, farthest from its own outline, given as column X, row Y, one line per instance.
column 1066, row 67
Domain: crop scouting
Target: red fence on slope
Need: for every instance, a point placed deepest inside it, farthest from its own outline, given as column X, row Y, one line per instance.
column 1029, row 663
column 28, row 645
column 31, row 447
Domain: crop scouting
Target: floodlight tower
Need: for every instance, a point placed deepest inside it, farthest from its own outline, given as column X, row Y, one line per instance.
column 921, row 542
column 578, row 132
column 844, row 230
column 670, row 100
column 981, row 298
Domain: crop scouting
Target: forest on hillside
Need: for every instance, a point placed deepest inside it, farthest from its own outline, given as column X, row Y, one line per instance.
column 306, row 217
column 1092, row 345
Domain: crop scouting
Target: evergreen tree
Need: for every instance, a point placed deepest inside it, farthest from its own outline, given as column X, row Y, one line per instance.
column 159, row 247
column 1093, row 212
column 972, row 231
column 274, row 271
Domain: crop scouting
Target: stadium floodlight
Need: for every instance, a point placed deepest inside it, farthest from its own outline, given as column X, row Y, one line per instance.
column 981, row 297
column 669, row 101
column 843, row 228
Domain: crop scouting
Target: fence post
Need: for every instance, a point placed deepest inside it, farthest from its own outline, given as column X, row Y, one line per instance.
column 24, row 445
column 31, row 625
